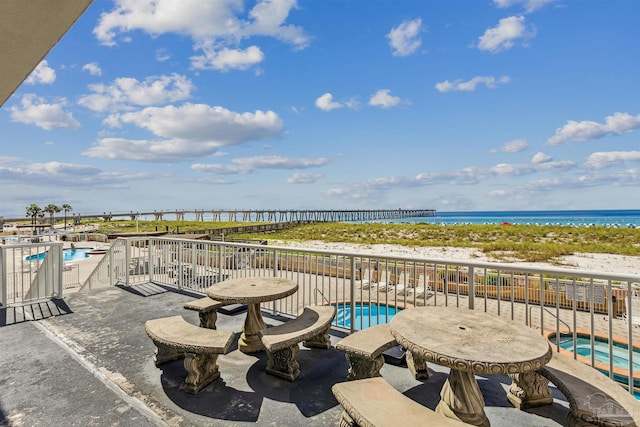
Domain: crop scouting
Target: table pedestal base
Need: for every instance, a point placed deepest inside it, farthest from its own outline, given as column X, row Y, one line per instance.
column 418, row 367
column 462, row 400
column 529, row 390
column 250, row 340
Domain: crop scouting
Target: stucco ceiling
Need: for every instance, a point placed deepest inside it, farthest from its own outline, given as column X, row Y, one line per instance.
column 29, row 29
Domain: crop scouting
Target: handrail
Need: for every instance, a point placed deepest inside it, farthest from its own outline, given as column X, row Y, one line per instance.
column 318, row 291
column 551, row 313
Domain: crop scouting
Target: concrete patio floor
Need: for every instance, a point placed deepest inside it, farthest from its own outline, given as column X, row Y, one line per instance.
column 91, row 365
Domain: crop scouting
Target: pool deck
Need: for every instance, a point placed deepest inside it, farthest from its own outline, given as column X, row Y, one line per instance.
column 90, row 363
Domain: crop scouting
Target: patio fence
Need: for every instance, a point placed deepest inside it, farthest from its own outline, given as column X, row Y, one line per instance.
column 560, row 302
column 28, row 276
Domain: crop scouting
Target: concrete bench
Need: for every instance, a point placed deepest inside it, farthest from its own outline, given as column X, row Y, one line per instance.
column 364, row 351
column 176, row 338
column 373, row 402
column 207, row 309
column 594, row 399
column 281, row 342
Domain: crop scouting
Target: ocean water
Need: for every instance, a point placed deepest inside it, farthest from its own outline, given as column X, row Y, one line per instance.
column 587, row 218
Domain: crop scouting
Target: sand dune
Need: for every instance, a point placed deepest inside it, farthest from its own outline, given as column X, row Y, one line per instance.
column 605, row 263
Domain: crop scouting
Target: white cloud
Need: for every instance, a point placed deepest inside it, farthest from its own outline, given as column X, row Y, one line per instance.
column 512, row 169
column 57, row 174
column 36, row 111
column 514, row 146
column 529, row 5
column 326, row 103
column 49, row 173
column 220, row 169
column 587, row 130
column 186, row 132
column 382, row 98
column 388, row 182
column 564, row 165
column 40, row 172
column 501, row 193
column 249, row 164
column 303, row 178
column 504, row 35
column 228, row 59
column 540, row 157
column 601, row 160
column 350, row 194
column 93, row 68
column 470, row 85
column 405, row 38
column 9, row 159
column 126, row 92
column 218, row 28
column 549, row 184
column 464, row 176
column 42, row 74
column 162, row 55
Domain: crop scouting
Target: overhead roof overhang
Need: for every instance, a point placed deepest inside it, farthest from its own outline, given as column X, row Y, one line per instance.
column 29, row 29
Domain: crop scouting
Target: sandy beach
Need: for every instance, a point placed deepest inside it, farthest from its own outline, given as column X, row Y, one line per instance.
column 605, row 263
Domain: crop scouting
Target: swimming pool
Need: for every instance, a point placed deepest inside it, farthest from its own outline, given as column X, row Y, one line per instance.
column 366, row 314
column 67, row 255
column 601, row 354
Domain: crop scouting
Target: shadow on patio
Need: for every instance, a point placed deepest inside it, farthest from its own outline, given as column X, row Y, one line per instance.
column 93, row 366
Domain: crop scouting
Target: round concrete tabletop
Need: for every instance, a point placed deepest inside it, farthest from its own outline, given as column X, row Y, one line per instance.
column 248, row 290
column 470, row 341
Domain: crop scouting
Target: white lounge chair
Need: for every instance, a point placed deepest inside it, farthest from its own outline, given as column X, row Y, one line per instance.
column 383, row 281
column 367, row 278
column 422, row 288
column 405, row 284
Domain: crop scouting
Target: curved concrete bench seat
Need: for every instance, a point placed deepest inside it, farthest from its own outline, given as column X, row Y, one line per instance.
column 373, row 402
column 176, row 338
column 207, row 310
column 281, row 342
column 364, row 349
column 594, row 399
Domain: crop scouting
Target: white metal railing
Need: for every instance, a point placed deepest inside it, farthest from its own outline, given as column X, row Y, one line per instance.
column 30, row 272
column 546, row 298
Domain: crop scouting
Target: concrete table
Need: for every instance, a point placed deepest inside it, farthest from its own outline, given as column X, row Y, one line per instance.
column 470, row 342
column 252, row 291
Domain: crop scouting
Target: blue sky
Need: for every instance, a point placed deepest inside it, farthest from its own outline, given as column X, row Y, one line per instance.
column 332, row 104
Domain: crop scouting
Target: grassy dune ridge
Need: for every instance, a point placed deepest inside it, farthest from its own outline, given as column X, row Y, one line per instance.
column 530, row 243
column 521, row 242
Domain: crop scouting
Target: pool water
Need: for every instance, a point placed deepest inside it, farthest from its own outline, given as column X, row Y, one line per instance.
column 67, row 255
column 601, row 351
column 366, row 315
column 601, row 354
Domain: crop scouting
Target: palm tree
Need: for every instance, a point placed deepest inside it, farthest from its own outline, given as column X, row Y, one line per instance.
column 33, row 210
column 66, row 207
column 51, row 209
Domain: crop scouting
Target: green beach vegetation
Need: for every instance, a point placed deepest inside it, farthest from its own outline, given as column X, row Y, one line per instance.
column 503, row 242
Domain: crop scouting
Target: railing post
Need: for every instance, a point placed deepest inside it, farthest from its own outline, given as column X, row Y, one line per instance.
column 150, row 259
column 3, row 277
column 471, row 287
column 58, row 282
column 127, row 261
column 220, row 275
column 275, row 263
column 110, row 267
column 352, row 301
column 180, row 268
